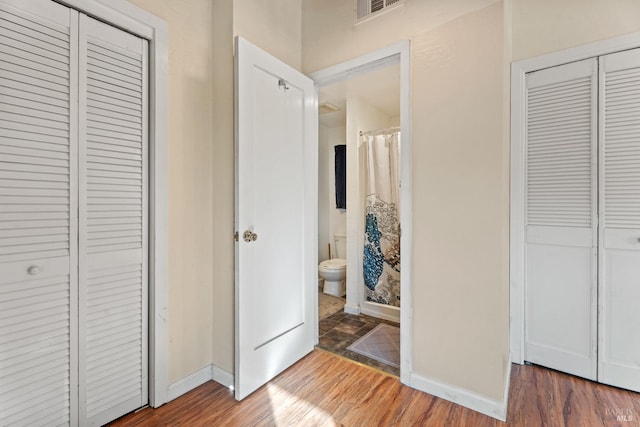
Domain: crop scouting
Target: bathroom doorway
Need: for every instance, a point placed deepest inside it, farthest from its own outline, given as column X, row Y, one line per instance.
column 361, row 127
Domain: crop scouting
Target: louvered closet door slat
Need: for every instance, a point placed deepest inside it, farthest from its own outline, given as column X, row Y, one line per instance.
column 619, row 335
column 38, row 233
column 561, row 149
column 113, row 222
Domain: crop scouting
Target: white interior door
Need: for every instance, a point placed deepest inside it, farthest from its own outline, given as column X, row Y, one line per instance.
column 276, row 210
column 561, row 218
column 619, row 322
column 38, row 202
column 112, row 222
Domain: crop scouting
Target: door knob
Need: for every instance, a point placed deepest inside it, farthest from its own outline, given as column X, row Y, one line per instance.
column 249, row 236
column 34, row 270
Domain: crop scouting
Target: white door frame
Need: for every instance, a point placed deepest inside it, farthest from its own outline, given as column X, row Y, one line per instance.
column 519, row 69
column 395, row 53
column 124, row 15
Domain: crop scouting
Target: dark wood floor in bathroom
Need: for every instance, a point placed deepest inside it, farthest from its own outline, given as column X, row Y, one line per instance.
column 340, row 330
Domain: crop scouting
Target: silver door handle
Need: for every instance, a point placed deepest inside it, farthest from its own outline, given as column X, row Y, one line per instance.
column 34, row 270
column 249, row 236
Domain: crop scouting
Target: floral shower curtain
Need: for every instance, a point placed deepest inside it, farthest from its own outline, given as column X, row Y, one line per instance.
column 382, row 213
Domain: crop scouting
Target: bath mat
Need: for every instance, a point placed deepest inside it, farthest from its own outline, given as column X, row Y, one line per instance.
column 328, row 305
column 382, row 343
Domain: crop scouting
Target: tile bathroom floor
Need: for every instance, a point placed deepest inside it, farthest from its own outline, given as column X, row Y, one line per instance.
column 340, row 330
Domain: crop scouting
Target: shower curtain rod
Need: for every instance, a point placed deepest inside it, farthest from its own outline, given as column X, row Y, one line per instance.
column 380, row 131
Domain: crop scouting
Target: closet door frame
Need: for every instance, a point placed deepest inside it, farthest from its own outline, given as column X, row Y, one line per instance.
column 124, row 15
column 517, row 267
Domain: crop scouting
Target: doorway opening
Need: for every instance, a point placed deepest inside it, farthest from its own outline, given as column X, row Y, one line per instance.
column 363, row 158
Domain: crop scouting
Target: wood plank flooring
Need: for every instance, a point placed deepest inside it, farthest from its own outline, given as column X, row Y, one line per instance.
column 327, row 390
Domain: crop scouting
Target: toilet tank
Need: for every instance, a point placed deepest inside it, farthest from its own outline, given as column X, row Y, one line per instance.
column 340, row 245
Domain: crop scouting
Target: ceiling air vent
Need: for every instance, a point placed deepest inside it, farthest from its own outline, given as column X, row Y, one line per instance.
column 366, row 9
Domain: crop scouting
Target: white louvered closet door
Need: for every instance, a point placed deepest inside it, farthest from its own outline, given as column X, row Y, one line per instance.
column 38, row 237
column 561, row 218
column 619, row 322
column 113, row 222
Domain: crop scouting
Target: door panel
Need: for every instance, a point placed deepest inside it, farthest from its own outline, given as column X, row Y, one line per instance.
column 619, row 343
column 38, row 237
column 113, row 225
column 561, row 232
column 276, row 187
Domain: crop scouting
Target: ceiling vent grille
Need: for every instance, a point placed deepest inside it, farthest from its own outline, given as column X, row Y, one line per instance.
column 366, row 9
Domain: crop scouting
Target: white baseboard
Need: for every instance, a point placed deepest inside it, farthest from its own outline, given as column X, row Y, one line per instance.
column 351, row 309
column 188, row 383
column 507, row 388
column 221, row 376
column 381, row 311
column 468, row 399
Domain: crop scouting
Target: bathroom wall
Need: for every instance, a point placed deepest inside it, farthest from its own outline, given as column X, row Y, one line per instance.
column 325, row 161
column 361, row 116
column 331, row 220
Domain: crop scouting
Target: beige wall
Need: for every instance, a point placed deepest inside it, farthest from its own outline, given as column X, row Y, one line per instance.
column 273, row 25
column 223, row 190
column 544, row 26
column 201, row 282
column 460, row 55
column 460, row 298
column 329, row 36
column 460, row 200
column 190, row 182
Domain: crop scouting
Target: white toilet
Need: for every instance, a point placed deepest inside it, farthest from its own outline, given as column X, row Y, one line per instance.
column 334, row 271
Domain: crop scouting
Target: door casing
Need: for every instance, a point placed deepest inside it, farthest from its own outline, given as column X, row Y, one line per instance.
column 395, row 53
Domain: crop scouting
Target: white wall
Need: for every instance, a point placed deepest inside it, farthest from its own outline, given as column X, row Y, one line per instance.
column 331, row 219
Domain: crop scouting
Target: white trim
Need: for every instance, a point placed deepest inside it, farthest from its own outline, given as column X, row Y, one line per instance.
column 124, row 15
column 196, row 379
column 381, row 311
column 350, row 309
column 401, row 52
column 476, row 402
column 518, row 97
column 189, row 382
column 221, row 376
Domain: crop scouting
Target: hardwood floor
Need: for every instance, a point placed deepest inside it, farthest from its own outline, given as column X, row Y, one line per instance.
column 327, row 390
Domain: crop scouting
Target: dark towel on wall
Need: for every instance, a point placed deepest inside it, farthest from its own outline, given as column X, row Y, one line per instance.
column 341, row 176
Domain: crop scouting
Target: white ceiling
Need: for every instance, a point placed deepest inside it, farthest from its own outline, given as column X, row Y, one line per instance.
column 380, row 88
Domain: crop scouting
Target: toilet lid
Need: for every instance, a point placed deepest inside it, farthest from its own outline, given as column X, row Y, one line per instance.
column 334, row 264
